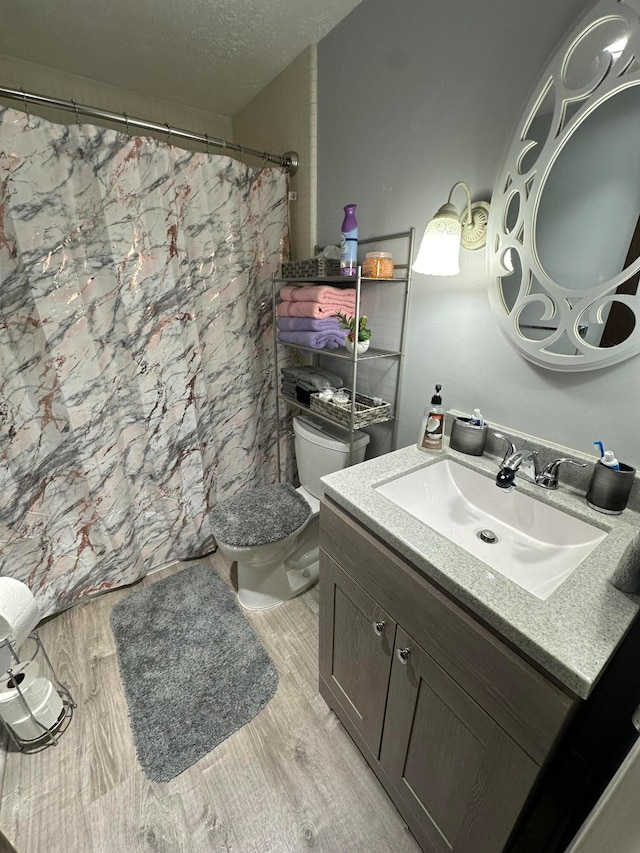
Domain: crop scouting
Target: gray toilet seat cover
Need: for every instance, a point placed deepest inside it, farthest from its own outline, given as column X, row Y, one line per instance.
column 259, row 516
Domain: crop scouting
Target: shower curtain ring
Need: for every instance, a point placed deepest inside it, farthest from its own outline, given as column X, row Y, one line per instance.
column 241, row 149
column 75, row 107
column 267, row 157
column 166, row 124
column 206, row 136
column 26, row 104
column 126, row 123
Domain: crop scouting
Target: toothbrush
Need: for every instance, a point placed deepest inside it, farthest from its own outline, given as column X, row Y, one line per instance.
column 601, row 446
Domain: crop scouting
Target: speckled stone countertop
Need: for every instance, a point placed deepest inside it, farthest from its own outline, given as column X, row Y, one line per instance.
column 574, row 632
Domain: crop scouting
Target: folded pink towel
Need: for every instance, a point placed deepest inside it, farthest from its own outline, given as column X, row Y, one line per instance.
column 317, row 340
column 308, row 324
column 318, row 293
column 313, row 309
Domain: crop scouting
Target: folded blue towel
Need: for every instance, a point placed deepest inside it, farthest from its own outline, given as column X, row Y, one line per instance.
column 307, row 324
column 317, row 340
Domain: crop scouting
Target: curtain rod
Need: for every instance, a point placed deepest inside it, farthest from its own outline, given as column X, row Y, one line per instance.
column 288, row 160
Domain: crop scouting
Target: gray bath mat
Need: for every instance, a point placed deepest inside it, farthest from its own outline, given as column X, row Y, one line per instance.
column 193, row 669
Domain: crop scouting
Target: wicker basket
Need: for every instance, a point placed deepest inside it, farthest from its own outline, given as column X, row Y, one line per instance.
column 366, row 411
column 311, row 268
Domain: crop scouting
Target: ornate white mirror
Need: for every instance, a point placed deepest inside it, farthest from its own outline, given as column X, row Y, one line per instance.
column 564, row 226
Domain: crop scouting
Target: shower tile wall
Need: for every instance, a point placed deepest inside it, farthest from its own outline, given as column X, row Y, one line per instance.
column 283, row 117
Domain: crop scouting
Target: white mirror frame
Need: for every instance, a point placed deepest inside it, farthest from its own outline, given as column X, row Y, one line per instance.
column 561, row 305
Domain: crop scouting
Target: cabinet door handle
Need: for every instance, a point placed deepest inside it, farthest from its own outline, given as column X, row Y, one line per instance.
column 403, row 655
column 378, row 627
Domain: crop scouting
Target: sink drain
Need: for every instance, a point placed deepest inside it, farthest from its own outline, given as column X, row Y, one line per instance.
column 487, row 536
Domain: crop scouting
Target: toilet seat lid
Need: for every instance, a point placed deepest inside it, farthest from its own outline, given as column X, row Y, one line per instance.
column 259, row 516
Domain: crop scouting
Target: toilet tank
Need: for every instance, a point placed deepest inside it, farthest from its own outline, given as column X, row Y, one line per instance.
column 322, row 449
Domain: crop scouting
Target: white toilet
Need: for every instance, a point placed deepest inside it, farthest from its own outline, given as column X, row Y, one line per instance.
column 272, row 532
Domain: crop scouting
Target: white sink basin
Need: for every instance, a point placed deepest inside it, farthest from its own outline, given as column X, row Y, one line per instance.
column 536, row 545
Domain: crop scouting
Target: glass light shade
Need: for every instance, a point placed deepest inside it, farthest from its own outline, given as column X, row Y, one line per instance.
column 440, row 248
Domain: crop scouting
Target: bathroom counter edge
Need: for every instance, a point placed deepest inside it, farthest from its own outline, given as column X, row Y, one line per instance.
column 571, row 635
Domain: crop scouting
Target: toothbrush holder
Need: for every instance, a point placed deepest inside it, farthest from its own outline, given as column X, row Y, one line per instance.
column 467, row 437
column 609, row 489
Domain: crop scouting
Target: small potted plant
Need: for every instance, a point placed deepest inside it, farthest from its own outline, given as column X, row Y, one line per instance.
column 360, row 339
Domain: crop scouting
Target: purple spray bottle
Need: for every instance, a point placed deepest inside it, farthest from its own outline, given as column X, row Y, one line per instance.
column 349, row 244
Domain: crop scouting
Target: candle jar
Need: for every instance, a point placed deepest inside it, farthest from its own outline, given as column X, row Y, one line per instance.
column 378, row 265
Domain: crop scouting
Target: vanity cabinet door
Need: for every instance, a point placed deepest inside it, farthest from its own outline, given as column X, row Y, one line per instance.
column 356, row 650
column 463, row 779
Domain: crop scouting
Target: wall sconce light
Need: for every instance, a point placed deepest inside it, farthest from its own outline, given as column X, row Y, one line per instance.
column 439, row 252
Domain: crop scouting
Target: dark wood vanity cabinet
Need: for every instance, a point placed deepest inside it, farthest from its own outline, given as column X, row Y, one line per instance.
column 453, row 722
column 361, row 657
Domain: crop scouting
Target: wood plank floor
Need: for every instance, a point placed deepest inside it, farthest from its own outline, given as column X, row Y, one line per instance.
column 290, row 780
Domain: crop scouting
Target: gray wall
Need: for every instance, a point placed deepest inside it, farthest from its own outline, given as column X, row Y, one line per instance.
column 412, row 97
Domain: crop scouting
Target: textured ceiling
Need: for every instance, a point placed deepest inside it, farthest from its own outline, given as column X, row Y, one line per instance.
column 211, row 54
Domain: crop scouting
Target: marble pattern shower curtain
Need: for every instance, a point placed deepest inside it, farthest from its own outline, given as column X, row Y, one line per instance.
column 135, row 350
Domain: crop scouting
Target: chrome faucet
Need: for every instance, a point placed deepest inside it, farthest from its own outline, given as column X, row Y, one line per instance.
column 513, row 459
column 548, row 477
column 511, row 448
column 510, row 465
